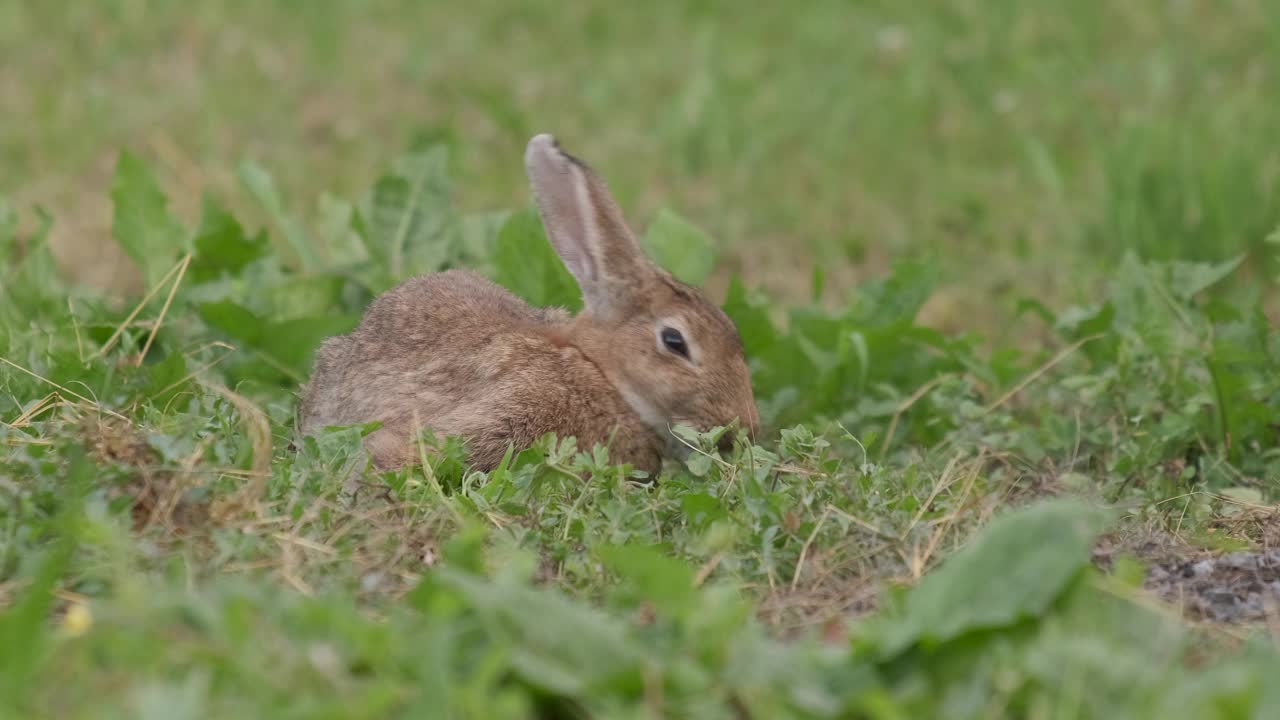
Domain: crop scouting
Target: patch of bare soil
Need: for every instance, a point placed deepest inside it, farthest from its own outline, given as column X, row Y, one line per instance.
column 157, row 496
column 1240, row 587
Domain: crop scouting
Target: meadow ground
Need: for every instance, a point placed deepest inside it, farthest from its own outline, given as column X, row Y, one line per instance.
column 1002, row 270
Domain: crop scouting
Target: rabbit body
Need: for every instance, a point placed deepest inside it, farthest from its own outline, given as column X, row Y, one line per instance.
column 461, row 356
column 456, row 353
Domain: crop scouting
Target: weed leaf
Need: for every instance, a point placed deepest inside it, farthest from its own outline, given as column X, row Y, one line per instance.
column 143, row 226
column 650, row 574
column 1019, row 565
column 680, row 247
column 409, row 216
column 262, row 188
column 525, row 264
column 556, row 644
column 221, row 245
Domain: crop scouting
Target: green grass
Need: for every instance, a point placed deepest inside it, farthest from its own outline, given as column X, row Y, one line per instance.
column 1028, row 144
column 1058, row 364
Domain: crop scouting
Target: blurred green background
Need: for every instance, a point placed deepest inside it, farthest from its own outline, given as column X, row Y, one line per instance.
column 1026, row 144
column 1020, row 150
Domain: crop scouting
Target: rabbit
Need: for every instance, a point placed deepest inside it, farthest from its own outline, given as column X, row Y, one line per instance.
column 456, row 353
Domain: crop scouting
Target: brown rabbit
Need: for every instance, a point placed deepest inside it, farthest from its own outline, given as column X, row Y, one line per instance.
column 460, row 355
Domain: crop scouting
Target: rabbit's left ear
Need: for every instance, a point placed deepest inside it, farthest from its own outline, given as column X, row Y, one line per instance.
column 587, row 230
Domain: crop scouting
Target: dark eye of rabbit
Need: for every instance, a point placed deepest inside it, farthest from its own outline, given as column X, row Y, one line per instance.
column 674, row 341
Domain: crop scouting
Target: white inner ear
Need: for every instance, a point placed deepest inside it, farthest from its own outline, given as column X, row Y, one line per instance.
column 591, row 241
column 576, row 260
column 586, row 228
column 571, row 230
column 560, row 188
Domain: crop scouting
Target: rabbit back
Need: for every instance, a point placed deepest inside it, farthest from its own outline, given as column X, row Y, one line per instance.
column 462, row 356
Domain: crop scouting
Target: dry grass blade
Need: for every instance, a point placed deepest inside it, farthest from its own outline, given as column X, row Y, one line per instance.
column 707, row 568
column 289, row 569
column 917, row 561
column 196, row 373
column 944, row 481
column 92, row 403
column 905, row 406
column 362, row 520
column 948, row 520
column 44, row 404
column 1038, row 372
column 808, row 543
column 162, row 512
column 305, row 543
column 164, row 310
column 146, row 300
column 259, row 430
column 864, row 524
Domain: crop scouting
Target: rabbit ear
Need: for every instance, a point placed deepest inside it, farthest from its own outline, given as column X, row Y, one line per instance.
column 586, row 228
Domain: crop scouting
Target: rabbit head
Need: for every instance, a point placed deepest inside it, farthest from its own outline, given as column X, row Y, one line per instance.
column 671, row 353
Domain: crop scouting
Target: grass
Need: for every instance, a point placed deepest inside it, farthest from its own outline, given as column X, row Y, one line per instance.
column 1036, row 375
column 1028, row 146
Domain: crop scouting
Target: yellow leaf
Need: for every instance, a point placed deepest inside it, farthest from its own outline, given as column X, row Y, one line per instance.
column 78, row 620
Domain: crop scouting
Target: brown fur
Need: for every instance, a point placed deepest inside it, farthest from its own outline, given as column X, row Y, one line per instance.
column 456, row 353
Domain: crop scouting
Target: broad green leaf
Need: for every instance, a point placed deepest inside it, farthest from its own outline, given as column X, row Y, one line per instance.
column 649, row 573
column 555, row 643
column 1267, row 666
column 409, row 216
column 166, row 378
column 1122, row 651
column 1191, row 279
column 702, row 509
column 1227, row 689
column 1244, row 495
column 1077, row 323
column 1034, row 306
column 477, row 235
column 34, row 278
column 465, row 551
column 143, row 226
column 233, row 319
column 289, row 344
column 699, row 463
column 263, row 189
column 24, row 631
column 221, row 245
column 525, row 264
column 293, row 342
column 25, row 634
column 338, row 230
column 1013, row 571
column 680, row 247
column 183, row 700
column 750, row 313
column 897, row 298
column 301, row 295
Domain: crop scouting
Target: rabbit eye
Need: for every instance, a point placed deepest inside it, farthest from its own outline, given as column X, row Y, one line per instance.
column 674, row 341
